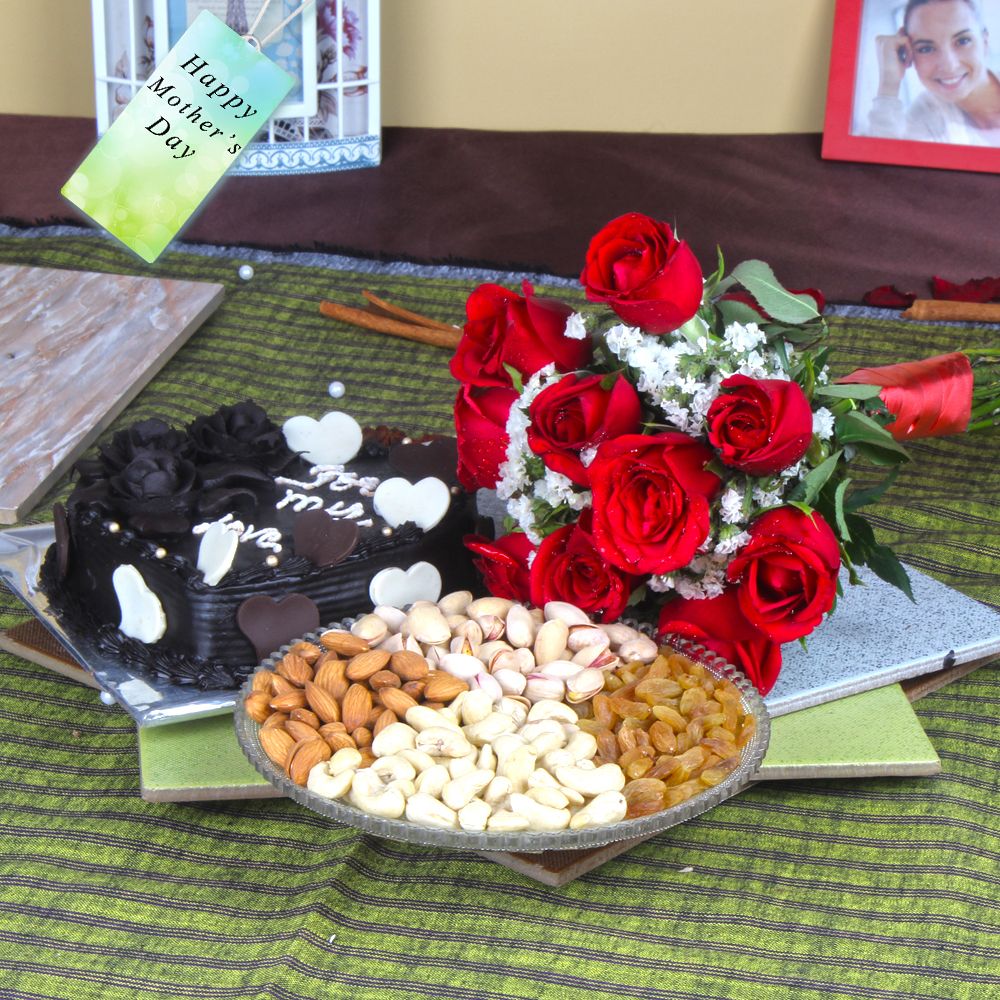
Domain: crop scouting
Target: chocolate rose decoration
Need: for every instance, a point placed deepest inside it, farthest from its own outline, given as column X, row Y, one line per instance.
column 156, row 492
column 240, row 434
column 126, row 445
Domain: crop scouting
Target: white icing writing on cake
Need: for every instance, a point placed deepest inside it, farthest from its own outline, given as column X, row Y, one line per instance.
column 338, row 512
column 263, row 538
column 336, row 477
column 298, row 501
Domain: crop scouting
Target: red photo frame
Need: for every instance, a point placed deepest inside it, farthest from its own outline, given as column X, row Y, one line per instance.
column 843, row 140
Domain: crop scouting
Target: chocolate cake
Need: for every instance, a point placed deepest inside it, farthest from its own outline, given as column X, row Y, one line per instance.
column 192, row 553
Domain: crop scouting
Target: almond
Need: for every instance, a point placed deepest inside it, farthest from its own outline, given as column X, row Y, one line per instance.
column 367, row 758
column 338, row 741
column 343, row 643
column 282, row 685
column 396, row 700
column 364, row 665
column 262, row 680
column 258, row 705
column 444, row 687
column 295, row 669
column 415, row 689
column 304, row 756
column 276, row 743
column 408, row 665
column 331, row 677
column 362, row 737
column 277, row 719
column 329, row 728
column 296, row 698
column 299, row 731
column 322, row 702
column 387, row 718
column 309, row 651
column 356, row 706
column 306, row 716
column 382, row 679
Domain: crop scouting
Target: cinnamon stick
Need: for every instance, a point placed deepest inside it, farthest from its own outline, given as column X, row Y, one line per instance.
column 395, row 328
column 377, row 305
column 948, row 310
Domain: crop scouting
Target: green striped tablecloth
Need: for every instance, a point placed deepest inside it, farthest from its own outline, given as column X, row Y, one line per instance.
column 878, row 888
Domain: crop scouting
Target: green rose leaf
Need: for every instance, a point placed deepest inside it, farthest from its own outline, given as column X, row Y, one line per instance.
column 779, row 303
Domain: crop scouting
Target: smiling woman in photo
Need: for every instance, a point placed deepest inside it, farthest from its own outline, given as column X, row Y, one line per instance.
column 946, row 44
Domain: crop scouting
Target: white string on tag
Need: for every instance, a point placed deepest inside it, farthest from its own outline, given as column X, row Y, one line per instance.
column 259, row 43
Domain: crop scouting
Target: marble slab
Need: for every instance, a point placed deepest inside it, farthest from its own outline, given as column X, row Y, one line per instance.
column 76, row 347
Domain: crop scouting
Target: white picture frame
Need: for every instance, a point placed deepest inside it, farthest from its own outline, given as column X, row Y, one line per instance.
column 294, row 48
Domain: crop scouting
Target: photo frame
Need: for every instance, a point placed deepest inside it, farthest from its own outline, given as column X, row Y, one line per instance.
column 293, row 49
column 925, row 126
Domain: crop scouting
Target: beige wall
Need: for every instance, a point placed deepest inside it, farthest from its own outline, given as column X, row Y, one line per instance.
column 605, row 65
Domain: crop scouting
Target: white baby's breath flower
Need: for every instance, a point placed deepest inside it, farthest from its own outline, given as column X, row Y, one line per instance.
column 587, row 457
column 743, row 338
column 731, row 507
column 729, row 545
column 576, row 327
column 823, row 424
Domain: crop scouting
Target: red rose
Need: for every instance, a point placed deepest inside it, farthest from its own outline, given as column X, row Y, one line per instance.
column 760, row 426
column 650, row 278
column 576, row 413
column 569, row 568
column 503, row 564
column 505, row 329
column 787, row 573
column 718, row 624
column 481, row 430
column 651, row 500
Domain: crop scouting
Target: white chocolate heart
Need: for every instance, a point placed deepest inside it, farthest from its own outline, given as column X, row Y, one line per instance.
column 142, row 613
column 397, row 588
column 217, row 552
column 334, row 439
column 424, row 503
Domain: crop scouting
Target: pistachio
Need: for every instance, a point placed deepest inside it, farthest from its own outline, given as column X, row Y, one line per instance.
column 393, row 617
column 521, row 627
column 493, row 627
column 542, row 688
column 561, row 669
column 582, row 636
column 569, row 614
column 461, row 665
column 455, row 603
column 641, row 648
column 488, row 684
column 371, row 628
column 584, row 685
column 510, row 681
column 550, row 642
column 498, row 606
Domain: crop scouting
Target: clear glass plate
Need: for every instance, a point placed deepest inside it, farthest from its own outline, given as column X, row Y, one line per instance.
column 524, row 841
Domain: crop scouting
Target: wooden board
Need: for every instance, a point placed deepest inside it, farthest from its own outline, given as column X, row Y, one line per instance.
column 76, row 348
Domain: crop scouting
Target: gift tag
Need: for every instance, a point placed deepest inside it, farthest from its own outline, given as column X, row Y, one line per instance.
column 168, row 149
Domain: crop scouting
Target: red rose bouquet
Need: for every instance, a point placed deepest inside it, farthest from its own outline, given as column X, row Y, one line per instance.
column 681, row 446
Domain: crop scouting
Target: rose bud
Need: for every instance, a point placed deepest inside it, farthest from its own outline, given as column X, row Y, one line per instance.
column 760, row 426
column 503, row 564
column 649, row 278
column 577, row 413
column 787, row 573
column 718, row 624
column 481, row 432
column 528, row 333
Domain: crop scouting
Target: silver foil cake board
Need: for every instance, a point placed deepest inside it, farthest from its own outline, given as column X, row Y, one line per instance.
column 876, row 637
column 78, row 347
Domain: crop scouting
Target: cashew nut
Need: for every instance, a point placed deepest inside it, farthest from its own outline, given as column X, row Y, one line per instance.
column 486, row 730
column 549, row 708
column 393, row 769
column 426, row 810
column 431, row 781
column 608, row 807
column 420, row 717
column 507, row 822
column 345, row 759
column 461, row 791
column 330, row 786
column 476, row 706
column 606, row 778
column 395, row 737
column 370, row 795
column 540, row 817
column 474, row 815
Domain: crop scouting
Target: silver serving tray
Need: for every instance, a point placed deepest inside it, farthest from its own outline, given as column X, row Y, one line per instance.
column 523, row 841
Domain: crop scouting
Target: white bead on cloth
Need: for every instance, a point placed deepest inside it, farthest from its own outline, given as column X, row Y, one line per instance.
column 336, row 389
column 245, row 272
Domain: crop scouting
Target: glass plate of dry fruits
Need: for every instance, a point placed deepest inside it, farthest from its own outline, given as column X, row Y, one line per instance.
column 486, row 725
